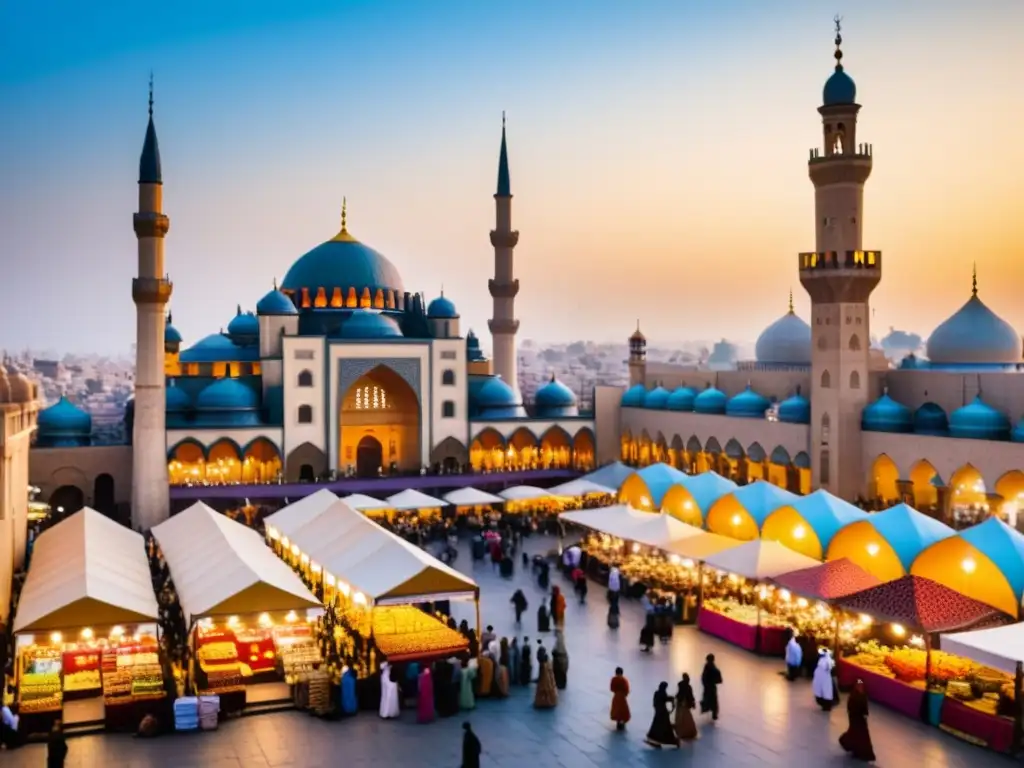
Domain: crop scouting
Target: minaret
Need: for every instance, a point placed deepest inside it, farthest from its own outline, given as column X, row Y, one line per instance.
column 839, row 276
column 504, row 286
column 637, row 357
column 151, row 291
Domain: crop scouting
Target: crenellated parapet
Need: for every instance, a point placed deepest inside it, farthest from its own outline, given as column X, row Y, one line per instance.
column 831, row 277
column 501, row 289
column 151, row 224
column 504, row 239
column 151, row 290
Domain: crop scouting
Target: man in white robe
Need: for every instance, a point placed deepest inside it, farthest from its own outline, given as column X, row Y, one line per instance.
column 389, row 706
column 824, row 689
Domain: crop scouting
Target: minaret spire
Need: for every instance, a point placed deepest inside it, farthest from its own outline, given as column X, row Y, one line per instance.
column 504, row 287
column 974, row 280
column 504, row 183
column 839, row 42
column 791, row 301
column 149, row 163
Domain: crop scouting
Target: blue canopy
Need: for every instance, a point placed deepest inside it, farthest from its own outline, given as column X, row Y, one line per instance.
column 659, row 478
column 908, row 531
column 827, row 514
column 610, row 475
column 1004, row 546
column 707, row 488
column 761, row 498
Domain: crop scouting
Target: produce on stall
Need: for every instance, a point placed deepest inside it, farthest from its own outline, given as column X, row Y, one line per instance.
column 403, row 633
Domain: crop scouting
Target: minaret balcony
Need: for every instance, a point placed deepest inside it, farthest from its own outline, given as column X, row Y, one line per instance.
column 151, row 224
column 832, row 276
column 503, row 327
column 151, row 290
column 503, row 290
column 504, row 239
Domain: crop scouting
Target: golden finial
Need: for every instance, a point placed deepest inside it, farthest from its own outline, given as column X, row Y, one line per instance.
column 150, row 93
column 974, row 280
column 344, row 214
column 638, row 325
column 275, row 283
column 839, row 41
column 791, row 301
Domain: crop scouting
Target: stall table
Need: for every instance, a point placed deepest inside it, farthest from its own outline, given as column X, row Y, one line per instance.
column 901, row 697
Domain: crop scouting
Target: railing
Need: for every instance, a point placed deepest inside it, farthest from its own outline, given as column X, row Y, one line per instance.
column 871, row 260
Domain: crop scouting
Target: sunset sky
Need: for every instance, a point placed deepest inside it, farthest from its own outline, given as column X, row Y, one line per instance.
column 658, row 156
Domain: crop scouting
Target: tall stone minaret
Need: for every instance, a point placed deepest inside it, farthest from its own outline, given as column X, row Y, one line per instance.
column 839, row 276
column 151, row 291
column 504, row 286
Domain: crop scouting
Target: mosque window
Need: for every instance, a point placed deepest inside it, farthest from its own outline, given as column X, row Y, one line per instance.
column 855, row 343
column 448, row 409
column 822, row 342
column 823, row 467
column 448, row 378
column 854, row 380
column 305, row 414
column 306, row 379
column 371, row 398
column 826, row 380
column 826, row 427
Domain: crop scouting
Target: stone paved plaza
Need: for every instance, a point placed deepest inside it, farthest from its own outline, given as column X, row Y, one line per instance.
column 765, row 720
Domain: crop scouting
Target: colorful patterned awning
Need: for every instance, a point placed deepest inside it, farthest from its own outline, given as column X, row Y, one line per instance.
column 923, row 604
column 828, row 581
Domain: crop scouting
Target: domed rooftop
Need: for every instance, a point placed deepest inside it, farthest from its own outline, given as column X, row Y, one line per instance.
column 64, row 418
column 555, row 399
column 473, row 351
column 657, row 398
column 219, row 348
column 979, row 421
column 244, row 325
column 368, row 324
column 795, row 410
column 886, row 415
column 275, row 303
column 711, row 400
column 681, row 399
column 974, row 335
column 227, row 395
column 748, row 404
column 495, row 393
column 176, row 399
column 931, row 419
column 634, row 396
column 442, row 308
column 21, row 389
column 171, row 335
column 787, row 341
column 342, row 262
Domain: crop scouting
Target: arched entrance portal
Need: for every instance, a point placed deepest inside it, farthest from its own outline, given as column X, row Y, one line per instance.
column 67, row 500
column 369, row 456
column 382, row 406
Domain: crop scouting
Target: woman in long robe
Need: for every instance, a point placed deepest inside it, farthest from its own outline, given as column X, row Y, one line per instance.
column 389, row 696
column 526, row 663
column 514, row 657
column 543, row 619
column 485, row 667
column 501, row 673
column 558, row 606
column 686, row 728
column 349, row 701
column 660, row 733
column 824, row 691
column 466, row 698
column 857, row 739
column 425, row 712
column 710, row 679
column 546, row 694
column 560, row 661
column 619, row 687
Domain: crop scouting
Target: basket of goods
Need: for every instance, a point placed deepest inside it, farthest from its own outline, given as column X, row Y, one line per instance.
column 871, row 657
column 988, row 680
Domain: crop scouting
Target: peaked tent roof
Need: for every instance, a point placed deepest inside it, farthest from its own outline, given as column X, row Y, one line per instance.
column 410, row 498
column 1004, row 546
column 362, row 501
column 997, row 647
column 524, row 493
column 908, row 531
column 707, row 488
column 700, row 548
column 828, row 581
column 659, row 478
column 923, row 604
column 221, row 567
column 826, row 514
column 582, row 487
column 759, row 560
column 611, row 475
column 86, row 571
column 650, row 528
column 761, row 498
column 466, row 497
column 296, row 515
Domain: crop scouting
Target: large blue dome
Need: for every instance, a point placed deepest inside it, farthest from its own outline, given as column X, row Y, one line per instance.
column 931, row 419
column 176, row 399
column 748, row 404
column 496, row 399
column 839, row 89
column 711, row 400
column 555, row 400
column 656, row 399
column 787, row 341
column 368, row 324
column 64, row 419
column 219, row 348
column 275, row 303
column 974, row 335
column 681, row 399
column 442, row 308
column 886, row 415
column 227, row 395
column 979, row 421
column 795, row 410
column 244, row 326
column 634, row 396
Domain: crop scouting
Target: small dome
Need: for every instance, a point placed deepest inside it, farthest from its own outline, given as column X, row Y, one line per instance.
column 886, row 415
column 368, row 324
column 5, row 386
column 634, row 396
column 637, row 335
column 495, row 393
column 176, row 398
column 795, row 410
column 656, row 399
column 974, row 335
column 64, row 418
column 839, row 89
column 226, row 395
column 219, row 348
column 681, row 399
column 748, row 404
column 711, row 400
column 930, row 419
column 275, row 303
column 979, row 421
column 554, row 394
column 787, row 341
column 22, row 390
column 473, row 351
column 243, row 326
column 171, row 335
column 442, row 308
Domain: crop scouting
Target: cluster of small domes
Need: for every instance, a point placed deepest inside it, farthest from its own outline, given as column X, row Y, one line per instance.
column 712, row 401
column 977, row 420
column 16, row 387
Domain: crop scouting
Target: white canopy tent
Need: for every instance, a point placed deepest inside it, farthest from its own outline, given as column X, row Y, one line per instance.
column 759, row 560
column 86, row 571
column 610, row 475
column 411, row 499
column 361, row 501
column 471, row 497
column 296, row 515
column 624, row 522
column 368, row 559
column 1000, row 647
column 581, row 487
column 524, row 493
column 222, row 568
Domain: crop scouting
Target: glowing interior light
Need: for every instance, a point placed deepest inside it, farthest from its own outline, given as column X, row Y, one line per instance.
column 636, row 548
column 87, row 634
column 968, row 565
column 784, row 595
column 866, row 620
column 116, row 631
column 56, row 638
column 917, row 640
column 736, row 519
column 898, row 630
column 799, row 532
column 232, row 621
column 674, row 559
column 801, row 603
column 265, row 620
column 291, row 618
column 872, row 549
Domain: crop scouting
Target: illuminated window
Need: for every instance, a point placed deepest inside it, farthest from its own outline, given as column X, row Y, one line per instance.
column 371, row 398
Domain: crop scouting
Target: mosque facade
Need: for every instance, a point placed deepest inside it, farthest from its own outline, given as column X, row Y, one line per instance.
column 337, row 371
column 821, row 406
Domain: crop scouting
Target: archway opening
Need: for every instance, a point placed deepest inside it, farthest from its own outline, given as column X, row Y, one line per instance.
column 103, row 494
column 644, row 450
column 187, row 464
column 926, row 495
column 884, row 480
column 223, row 464
column 522, row 451
column 261, row 462
column 487, row 451
column 555, row 449
column 968, row 488
column 380, row 404
column 1011, row 487
column 449, row 455
column 305, row 464
column 583, row 451
column 369, row 457
column 66, row 500
column 659, row 450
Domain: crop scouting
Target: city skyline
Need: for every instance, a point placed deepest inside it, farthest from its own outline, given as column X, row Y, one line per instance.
column 646, row 149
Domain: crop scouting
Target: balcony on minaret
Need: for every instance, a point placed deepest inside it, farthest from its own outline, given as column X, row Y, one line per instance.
column 150, row 224
column 501, row 327
column 836, row 166
column 504, row 239
column 832, row 276
column 151, row 290
column 501, row 289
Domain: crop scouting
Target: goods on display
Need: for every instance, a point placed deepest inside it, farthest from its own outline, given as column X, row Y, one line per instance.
column 230, row 655
column 743, row 613
column 405, row 632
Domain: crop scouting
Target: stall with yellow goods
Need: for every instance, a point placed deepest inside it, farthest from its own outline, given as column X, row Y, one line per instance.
column 250, row 618
column 692, row 497
column 645, row 489
column 903, row 667
column 530, row 500
column 475, row 504
column 86, row 647
column 583, row 494
column 741, row 514
column 885, row 544
column 810, row 523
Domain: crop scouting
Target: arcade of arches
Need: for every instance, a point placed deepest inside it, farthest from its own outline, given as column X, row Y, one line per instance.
column 223, row 463
column 379, row 425
column 491, row 452
column 742, row 465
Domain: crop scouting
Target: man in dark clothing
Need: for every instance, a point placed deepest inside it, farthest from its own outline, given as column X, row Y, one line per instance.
column 470, row 748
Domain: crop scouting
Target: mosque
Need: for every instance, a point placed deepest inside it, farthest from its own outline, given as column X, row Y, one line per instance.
column 339, row 371
column 820, row 406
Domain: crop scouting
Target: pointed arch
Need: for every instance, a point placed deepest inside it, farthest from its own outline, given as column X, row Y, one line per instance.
column 854, row 380
column 677, row 443
column 734, row 450
column 555, row 448
column 854, row 343
column 884, row 479
column 780, row 456
column 968, row 486
column 522, row 438
column 925, row 493
column 103, row 497
column 261, row 461
column 189, row 448
column 450, row 454
column 66, row 500
column 826, row 379
column 693, row 445
column 802, row 460
column 488, row 450
column 756, row 453
column 712, row 445
column 305, row 464
column 584, row 453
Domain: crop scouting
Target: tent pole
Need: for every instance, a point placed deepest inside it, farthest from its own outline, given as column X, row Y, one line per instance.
column 476, row 600
column 835, row 638
column 700, row 585
column 1018, row 722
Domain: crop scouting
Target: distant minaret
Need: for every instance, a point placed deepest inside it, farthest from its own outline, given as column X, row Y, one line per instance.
column 504, row 286
column 151, row 291
column 637, row 357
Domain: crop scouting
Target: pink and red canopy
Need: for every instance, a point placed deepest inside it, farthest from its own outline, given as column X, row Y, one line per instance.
column 828, row 581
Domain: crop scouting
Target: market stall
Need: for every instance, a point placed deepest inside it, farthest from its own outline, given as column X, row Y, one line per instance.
column 885, row 544
column 694, row 495
column 247, row 613
column 646, row 488
column 741, row 514
column 86, row 647
column 581, row 493
column 529, row 498
column 900, row 663
column 610, row 475
column 740, row 609
column 280, row 525
column 410, row 501
column 985, row 562
column 368, row 505
column 809, row 523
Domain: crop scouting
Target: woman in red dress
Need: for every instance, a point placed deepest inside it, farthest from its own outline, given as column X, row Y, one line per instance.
column 857, row 739
column 620, row 707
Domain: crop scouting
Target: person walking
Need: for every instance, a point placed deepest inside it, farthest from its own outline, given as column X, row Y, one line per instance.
column 822, row 685
column 710, row 679
column 619, row 687
column 519, row 603
column 686, row 728
column 557, row 607
column 560, row 661
column 614, row 585
column 56, row 746
column 660, row 733
column 794, row 657
column 467, row 681
column 543, row 618
column 857, row 739
column 471, row 747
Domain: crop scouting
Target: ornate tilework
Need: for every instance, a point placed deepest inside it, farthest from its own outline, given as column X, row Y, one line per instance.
column 351, row 369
